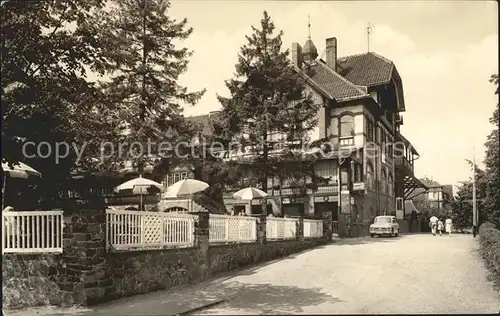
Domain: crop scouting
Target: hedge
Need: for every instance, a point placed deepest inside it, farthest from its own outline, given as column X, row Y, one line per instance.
column 489, row 247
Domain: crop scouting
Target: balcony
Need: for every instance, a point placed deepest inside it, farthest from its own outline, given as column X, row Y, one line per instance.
column 300, row 191
column 402, row 164
column 327, row 189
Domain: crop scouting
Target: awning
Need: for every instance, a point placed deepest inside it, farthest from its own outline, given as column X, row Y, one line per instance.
column 412, row 183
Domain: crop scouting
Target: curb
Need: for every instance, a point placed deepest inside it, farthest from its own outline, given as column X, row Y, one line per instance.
column 196, row 309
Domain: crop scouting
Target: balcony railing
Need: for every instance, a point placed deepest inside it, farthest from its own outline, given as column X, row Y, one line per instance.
column 326, row 189
column 321, row 189
column 402, row 162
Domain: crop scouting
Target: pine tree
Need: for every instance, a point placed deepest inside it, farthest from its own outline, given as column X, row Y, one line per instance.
column 140, row 55
column 267, row 96
column 492, row 198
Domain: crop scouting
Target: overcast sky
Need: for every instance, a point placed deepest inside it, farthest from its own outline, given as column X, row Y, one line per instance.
column 445, row 52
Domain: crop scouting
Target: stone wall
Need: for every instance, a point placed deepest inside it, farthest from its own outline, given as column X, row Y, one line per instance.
column 32, row 280
column 87, row 274
column 229, row 257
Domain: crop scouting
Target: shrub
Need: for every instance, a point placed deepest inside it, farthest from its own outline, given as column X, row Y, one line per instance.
column 489, row 247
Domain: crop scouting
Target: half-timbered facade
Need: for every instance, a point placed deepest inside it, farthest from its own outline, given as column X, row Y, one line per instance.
column 370, row 170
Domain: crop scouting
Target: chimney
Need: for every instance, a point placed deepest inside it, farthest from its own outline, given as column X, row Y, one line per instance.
column 297, row 55
column 331, row 53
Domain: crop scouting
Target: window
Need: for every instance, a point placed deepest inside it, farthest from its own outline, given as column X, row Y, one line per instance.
column 369, row 176
column 369, row 129
column 391, row 185
column 384, row 182
column 174, row 177
column 347, row 141
column 326, row 169
column 346, row 126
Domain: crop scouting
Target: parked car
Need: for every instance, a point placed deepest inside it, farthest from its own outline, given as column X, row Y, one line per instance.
column 384, row 225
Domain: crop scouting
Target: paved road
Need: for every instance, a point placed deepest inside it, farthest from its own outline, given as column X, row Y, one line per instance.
column 409, row 274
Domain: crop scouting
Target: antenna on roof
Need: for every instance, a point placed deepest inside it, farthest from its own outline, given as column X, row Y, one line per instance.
column 369, row 29
column 309, row 25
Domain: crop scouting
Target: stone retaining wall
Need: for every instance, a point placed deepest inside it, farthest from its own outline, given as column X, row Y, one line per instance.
column 31, row 280
column 87, row 274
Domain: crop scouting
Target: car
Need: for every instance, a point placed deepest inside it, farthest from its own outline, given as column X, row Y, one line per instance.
column 384, row 226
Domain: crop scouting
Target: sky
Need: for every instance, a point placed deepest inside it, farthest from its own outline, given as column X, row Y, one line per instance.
column 445, row 52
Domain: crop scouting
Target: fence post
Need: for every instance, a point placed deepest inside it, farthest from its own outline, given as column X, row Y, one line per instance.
column 262, row 229
column 88, row 274
column 201, row 242
column 299, row 229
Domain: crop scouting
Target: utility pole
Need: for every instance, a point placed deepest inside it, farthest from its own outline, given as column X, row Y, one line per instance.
column 474, row 206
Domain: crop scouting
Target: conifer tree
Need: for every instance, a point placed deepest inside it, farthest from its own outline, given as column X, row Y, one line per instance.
column 141, row 55
column 267, row 96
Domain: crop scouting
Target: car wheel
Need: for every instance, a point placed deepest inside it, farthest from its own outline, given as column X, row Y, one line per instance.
column 392, row 232
column 397, row 233
column 372, row 235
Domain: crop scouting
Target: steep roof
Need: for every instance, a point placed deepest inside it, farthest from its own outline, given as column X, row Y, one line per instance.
column 205, row 122
column 333, row 84
column 369, row 69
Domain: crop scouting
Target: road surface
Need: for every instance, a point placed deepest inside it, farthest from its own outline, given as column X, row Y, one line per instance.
column 408, row 274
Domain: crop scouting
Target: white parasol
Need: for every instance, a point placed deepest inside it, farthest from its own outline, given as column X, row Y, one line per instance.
column 186, row 187
column 18, row 170
column 140, row 186
column 250, row 194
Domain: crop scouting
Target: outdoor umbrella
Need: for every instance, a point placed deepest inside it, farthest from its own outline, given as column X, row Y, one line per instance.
column 18, row 170
column 250, row 194
column 139, row 186
column 186, row 187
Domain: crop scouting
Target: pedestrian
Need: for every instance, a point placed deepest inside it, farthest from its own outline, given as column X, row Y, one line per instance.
column 448, row 223
column 440, row 227
column 433, row 224
column 413, row 218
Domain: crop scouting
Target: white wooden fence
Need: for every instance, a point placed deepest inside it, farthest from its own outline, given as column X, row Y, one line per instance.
column 313, row 228
column 127, row 230
column 281, row 228
column 227, row 228
column 32, row 232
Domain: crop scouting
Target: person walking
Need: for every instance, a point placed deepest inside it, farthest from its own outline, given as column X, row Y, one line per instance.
column 413, row 219
column 440, row 227
column 448, row 223
column 433, row 221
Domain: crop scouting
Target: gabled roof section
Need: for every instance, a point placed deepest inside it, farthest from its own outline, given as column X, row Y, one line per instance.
column 331, row 84
column 369, row 69
column 205, row 122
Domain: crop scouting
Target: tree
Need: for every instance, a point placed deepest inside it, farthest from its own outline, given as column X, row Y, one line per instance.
column 46, row 46
column 492, row 196
column 267, row 98
column 462, row 205
column 139, row 55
